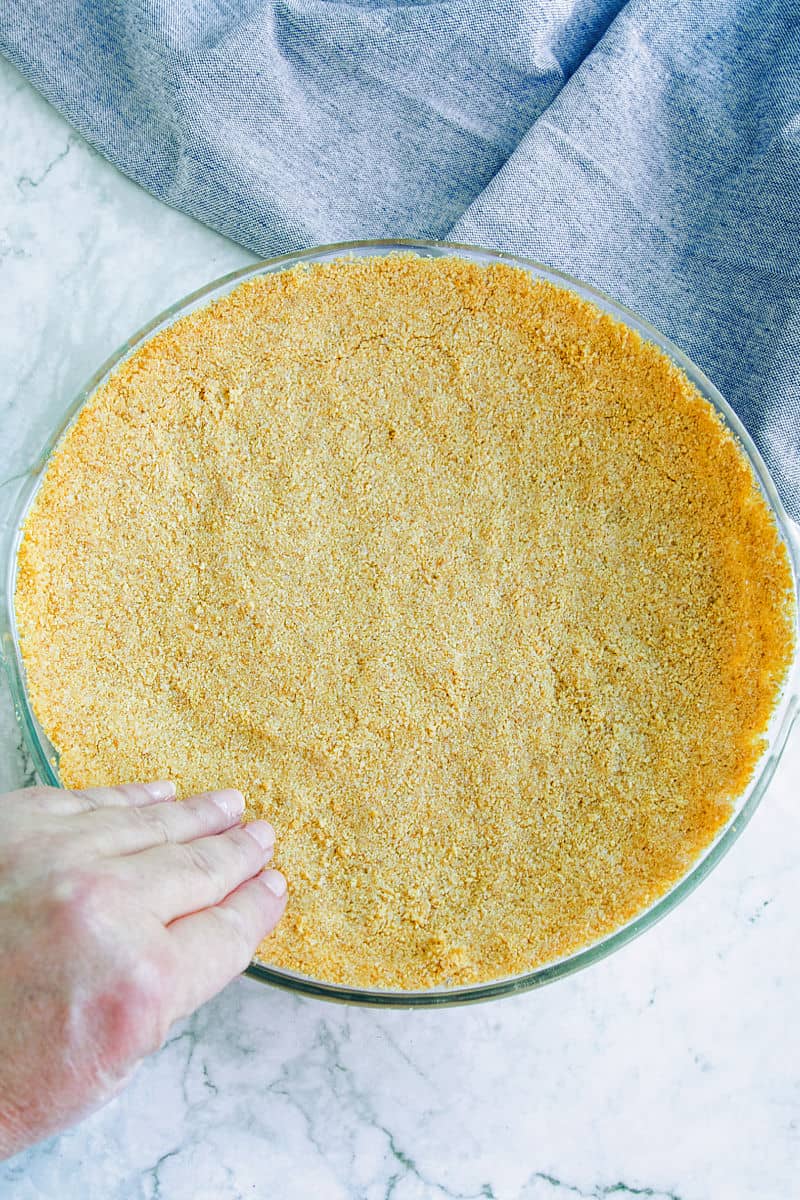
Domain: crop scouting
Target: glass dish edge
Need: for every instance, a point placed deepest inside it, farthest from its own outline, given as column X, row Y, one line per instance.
column 18, row 492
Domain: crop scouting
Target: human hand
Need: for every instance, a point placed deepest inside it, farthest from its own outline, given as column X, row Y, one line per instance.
column 120, row 911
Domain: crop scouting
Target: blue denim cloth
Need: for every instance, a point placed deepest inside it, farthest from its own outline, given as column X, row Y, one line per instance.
column 651, row 148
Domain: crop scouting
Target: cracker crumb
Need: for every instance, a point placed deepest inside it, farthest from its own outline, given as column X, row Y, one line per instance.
column 457, row 578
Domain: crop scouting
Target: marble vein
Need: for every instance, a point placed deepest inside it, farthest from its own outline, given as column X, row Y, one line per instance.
column 604, row 1190
column 25, row 182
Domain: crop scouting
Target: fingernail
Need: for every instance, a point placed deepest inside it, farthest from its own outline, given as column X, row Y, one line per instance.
column 274, row 882
column 229, row 800
column 263, row 833
column 162, row 789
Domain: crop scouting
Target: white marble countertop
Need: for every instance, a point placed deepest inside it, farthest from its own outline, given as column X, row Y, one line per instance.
column 669, row 1070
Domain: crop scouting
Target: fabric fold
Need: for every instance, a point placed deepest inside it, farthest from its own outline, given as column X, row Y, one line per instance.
column 651, row 149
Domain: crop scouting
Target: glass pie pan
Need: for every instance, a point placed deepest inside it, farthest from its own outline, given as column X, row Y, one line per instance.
column 19, row 492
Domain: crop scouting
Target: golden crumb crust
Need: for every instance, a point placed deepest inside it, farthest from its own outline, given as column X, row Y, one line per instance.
column 457, row 578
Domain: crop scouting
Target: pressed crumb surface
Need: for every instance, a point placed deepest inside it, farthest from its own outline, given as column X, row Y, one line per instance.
column 457, row 578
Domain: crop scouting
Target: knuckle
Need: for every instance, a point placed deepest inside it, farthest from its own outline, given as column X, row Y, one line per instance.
column 156, row 823
column 135, row 1011
column 76, row 899
column 89, row 802
column 201, row 862
column 244, row 842
column 128, row 795
column 205, row 813
column 237, row 933
column 135, row 792
column 39, row 794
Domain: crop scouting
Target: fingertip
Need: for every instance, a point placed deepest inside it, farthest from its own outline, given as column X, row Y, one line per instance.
column 263, row 833
column 274, row 882
column 269, row 892
column 160, row 789
column 229, row 800
column 274, row 894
